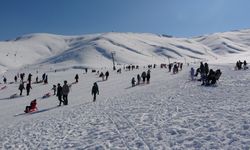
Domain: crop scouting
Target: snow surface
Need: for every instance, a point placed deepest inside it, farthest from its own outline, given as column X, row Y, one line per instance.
column 171, row 112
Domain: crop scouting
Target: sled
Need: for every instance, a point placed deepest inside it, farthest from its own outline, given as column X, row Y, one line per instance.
column 31, row 110
column 4, row 87
column 46, row 95
column 13, row 95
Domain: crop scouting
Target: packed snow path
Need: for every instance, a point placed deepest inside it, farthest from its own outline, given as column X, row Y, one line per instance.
column 169, row 113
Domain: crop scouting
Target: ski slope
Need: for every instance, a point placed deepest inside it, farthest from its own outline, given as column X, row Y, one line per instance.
column 171, row 112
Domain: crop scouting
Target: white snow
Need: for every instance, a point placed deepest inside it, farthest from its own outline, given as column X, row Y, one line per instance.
column 171, row 112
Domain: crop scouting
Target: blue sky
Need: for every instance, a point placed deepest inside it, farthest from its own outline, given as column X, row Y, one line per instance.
column 181, row 18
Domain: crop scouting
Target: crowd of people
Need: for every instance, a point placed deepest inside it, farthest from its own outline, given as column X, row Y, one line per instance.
column 207, row 76
column 241, row 65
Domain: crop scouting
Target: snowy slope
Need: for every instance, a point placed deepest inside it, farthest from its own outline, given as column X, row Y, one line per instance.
column 233, row 42
column 95, row 50
column 169, row 113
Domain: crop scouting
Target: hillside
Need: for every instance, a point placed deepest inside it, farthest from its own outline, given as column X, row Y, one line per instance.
column 95, row 50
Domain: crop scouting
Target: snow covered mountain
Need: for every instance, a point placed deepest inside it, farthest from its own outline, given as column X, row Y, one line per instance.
column 95, row 50
column 130, row 48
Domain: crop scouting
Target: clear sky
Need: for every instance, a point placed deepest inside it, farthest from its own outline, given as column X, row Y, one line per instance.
column 181, row 18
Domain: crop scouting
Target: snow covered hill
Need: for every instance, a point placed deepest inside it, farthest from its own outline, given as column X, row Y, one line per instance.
column 233, row 42
column 95, row 50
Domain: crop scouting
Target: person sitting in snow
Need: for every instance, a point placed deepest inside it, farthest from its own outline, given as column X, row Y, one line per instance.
column 32, row 107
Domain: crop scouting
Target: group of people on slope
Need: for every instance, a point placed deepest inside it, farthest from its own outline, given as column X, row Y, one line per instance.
column 239, row 66
column 207, row 76
column 144, row 76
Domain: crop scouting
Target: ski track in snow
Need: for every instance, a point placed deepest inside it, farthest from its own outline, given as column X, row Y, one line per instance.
column 170, row 113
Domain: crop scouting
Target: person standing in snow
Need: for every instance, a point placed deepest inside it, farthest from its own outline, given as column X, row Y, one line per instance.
column 95, row 90
column 65, row 92
column 138, row 79
column 133, row 82
column 4, row 80
column 192, row 73
column 203, row 74
column 148, row 76
column 59, row 94
column 102, row 76
column 43, row 76
column 15, row 78
column 28, row 87
column 143, row 75
column 76, row 77
column 21, row 87
column 54, row 89
column 107, row 75
column 29, row 78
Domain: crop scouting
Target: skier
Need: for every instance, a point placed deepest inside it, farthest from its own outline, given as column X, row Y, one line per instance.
column 21, row 87
column 138, row 79
column 107, row 75
column 59, row 93
column 143, row 75
column 54, row 89
column 133, row 82
column 65, row 92
column 76, row 77
column 148, row 76
column 95, row 91
column 28, row 87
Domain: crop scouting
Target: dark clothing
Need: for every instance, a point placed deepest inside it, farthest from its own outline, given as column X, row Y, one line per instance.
column 59, row 94
column 65, row 92
column 21, row 87
column 95, row 91
column 28, row 87
column 133, row 82
column 143, row 75
column 148, row 76
column 138, row 79
column 15, row 78
column 76, row 77
column 107, row 75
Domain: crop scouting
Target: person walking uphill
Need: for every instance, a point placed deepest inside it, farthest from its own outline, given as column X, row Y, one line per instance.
column 65, row 92
column 95, row 91
column 59, row 94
